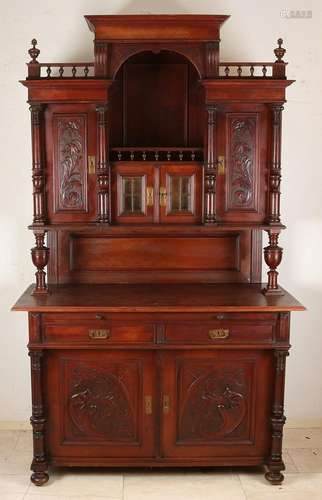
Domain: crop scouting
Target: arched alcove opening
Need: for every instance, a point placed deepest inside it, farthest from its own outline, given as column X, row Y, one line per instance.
column 156, row 100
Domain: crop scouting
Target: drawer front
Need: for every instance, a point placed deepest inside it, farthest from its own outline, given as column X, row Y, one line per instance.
column 179, row 329
column 219, row 332
column 99, row 333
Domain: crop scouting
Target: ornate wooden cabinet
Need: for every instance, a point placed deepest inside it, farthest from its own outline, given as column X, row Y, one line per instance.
column 155, row 170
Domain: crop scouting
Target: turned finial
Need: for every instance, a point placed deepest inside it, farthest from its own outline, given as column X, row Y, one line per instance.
column 279, row 51
column 34, row 52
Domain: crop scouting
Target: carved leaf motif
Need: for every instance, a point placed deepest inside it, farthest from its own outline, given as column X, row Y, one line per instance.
column 99, row 404
column 242, row 162
column 70, row 163
column 215, row 405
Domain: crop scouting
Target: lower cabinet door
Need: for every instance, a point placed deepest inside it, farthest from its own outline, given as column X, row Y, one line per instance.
column 216, row 405
column 100, row 404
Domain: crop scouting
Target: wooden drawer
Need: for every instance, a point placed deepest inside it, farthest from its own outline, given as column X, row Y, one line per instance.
column 219, row 332
column 91, row 329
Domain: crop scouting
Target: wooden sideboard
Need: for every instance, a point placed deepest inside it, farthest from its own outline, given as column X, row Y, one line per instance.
column 155, row 170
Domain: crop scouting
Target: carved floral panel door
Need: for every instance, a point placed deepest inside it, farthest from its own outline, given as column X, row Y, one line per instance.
column 102, row 404
column 242, row 178
column 215, row 404
column 70, row 139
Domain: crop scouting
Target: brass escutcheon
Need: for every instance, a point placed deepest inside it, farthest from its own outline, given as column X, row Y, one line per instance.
column 148, row 405
column 91, row 165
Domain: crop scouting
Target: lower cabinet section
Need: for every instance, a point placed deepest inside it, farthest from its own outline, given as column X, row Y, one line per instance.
column 158, row 406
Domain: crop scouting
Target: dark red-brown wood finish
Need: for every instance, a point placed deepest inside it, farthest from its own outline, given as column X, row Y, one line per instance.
column 155, row 169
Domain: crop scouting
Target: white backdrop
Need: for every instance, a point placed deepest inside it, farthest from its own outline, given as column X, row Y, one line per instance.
column 250, row 34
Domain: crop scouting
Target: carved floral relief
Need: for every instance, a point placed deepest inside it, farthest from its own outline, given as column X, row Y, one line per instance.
column 70, row 163
column 99, row 405
column 242, row 163
column 214, row 403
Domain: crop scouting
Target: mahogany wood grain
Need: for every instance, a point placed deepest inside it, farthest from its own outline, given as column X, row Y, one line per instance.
column 157, row 297
column 154, row 344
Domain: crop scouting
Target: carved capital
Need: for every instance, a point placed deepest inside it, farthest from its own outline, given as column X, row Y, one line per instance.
column 211, row 66
column 280, row 357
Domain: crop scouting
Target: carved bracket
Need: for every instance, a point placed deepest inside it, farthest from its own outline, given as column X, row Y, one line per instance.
column 40, row 257
column 273, row 256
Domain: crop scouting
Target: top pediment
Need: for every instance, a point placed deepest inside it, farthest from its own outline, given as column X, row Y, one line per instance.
column 199, row 28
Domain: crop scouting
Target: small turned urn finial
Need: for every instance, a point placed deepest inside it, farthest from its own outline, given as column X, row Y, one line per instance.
column 279, row 51
column 34, row 52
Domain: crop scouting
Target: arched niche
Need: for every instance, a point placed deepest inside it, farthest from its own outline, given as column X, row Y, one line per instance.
column 156, row 100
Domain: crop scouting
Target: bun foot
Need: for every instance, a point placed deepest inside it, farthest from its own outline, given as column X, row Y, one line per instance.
column 39, row 478
column 274, row 477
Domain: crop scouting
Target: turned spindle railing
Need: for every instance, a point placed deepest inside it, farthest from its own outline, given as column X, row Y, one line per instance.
column 156, row 154
column 228, row 70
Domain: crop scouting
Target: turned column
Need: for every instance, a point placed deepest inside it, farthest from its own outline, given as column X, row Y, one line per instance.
column 273, row 256
column 38, row 174
column 210, row 169
column 40, row 257
column 275, row 166
column 275, row 463
column 103, row 167
column 39, row 464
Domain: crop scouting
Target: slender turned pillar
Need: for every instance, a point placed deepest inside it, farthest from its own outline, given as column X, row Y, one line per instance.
column 275, row 463
column 275, row 167
column 273, row 256
column 38, row 176
column 39, row 464
column 103, row 167
column 210, row 169
column 40, row 257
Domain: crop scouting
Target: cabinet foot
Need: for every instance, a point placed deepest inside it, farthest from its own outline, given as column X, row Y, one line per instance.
column 39, row 478
column 274, row 477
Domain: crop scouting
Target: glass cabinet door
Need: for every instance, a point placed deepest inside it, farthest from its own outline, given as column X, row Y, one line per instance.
column 133, row 193
column 180, row 193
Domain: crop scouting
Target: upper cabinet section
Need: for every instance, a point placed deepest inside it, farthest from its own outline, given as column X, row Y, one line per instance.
column 157, row 129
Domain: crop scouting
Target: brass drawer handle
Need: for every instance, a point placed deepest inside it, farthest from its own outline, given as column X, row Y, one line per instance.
column 166, row 404
column 99, row 334
column 148, row 405
column 218, row 333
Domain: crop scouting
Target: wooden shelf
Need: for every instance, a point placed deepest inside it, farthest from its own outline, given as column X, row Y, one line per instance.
column 154, row 228
column 157, row 298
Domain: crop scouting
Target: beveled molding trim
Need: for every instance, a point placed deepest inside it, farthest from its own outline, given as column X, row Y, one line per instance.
column 291, row 423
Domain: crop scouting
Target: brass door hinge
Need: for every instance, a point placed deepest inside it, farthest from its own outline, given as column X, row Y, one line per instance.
column 149, row 196
column 148, row 405
column 91, row 165
column 221, row 165
column 163, row 197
